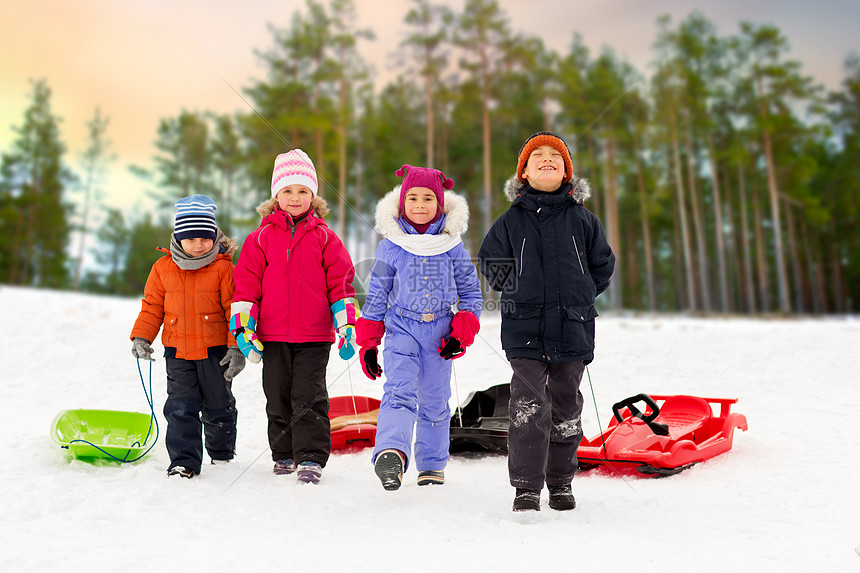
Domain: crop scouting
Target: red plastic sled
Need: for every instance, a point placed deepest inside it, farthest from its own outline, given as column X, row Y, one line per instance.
column 665, row 439
column 357, row 421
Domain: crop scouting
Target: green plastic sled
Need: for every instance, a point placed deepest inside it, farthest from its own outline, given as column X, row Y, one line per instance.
column 112, row 434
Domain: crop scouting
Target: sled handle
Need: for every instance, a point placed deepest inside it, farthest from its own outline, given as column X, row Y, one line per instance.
column 656, row 427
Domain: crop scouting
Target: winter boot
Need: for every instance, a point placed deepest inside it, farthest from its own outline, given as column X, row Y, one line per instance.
column 389, row 469
column 430, row 477
column 309, row 472
column 527, row 500
column 284, row 467
column 561, row 497
column 181, row 471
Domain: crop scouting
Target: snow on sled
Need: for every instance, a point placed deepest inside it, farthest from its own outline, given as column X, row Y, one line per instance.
column 91, row 435
column 353, row 422
column 481, row 423
column 664, row 440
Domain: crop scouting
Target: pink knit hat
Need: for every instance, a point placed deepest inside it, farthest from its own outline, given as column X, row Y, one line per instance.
column 433, row 179
column 294, row 168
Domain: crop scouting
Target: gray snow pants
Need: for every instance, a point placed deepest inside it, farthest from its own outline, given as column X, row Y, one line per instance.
column 545, row 428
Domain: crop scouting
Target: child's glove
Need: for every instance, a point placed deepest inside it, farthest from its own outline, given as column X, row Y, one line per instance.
column 140, row 348
column 346, row 346
column 464, row 326
column 243, row 323
column 234, row 360
column 369, row 335
column 370, row 362
column 345, row 312
column 451, row 348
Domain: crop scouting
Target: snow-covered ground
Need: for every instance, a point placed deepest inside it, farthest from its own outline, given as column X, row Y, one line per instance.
column 784, row 499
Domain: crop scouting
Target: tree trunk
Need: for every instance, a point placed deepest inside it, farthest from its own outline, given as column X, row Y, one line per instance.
column 814, row 270
column 646, row 229
column 718, row 224
column 613, row 222
column 749, row 287
column 428, row 96
column 682, row 213
column 87, row 191
column 781, row 277
column 794, row 256
column 840, row 305
column 678, row 261
column 698, row 223
column 485, row 119
column 821, row 278
column 341, row 149
column 763, row 283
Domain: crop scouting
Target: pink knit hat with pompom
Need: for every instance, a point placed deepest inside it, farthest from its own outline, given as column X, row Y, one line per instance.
column 432, row 179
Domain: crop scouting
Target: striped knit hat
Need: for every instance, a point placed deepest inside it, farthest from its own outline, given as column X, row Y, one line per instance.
column 195, row 218
column 294, row 168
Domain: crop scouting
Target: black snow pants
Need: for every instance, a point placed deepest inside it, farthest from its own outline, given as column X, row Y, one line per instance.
column 297, row 400
column 545, row 428
column 199, row 402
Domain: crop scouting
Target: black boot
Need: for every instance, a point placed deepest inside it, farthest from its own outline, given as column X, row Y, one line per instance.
column 389, row 469
column 527, row 500
column 561, row 497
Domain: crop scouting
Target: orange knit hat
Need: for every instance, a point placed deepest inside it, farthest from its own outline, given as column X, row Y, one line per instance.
column 537, row 140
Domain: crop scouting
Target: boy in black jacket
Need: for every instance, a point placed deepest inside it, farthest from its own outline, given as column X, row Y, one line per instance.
column 548, row 256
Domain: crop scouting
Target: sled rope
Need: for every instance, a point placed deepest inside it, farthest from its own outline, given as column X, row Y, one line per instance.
column 596, row 412
column 600, row 430
column 149, row 400
column 352, row 395
column 457, row 394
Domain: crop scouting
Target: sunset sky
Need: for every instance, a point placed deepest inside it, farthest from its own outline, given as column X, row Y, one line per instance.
column 143, row 61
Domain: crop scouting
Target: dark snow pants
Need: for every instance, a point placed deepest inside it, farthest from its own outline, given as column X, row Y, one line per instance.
column 199, row 402
column 297, row 400
column 545, row 428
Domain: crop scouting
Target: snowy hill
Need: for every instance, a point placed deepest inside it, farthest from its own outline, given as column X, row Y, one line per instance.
column 784, row 499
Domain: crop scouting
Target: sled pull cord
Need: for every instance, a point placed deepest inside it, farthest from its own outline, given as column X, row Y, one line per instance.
column 352, row 394
column 152, row 419
column 596, row 412
column 600, row 429
column 457, row 394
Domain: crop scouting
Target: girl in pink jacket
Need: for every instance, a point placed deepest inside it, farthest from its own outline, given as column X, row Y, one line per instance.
column 293, row 294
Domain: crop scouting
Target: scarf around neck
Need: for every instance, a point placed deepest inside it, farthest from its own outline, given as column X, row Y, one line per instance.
column 188, row 263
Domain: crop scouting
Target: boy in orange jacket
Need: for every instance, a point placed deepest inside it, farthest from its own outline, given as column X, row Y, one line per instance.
column 190, row 292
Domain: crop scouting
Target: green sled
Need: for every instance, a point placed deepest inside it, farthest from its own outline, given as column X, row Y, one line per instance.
column 91, row 435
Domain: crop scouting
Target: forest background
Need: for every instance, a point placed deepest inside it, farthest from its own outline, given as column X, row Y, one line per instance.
column 721, row 168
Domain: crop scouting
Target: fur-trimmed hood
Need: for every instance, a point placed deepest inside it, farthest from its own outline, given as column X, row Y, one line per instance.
column 456, row 213
column 580, row 190
column 267, row 207
column 229, row 245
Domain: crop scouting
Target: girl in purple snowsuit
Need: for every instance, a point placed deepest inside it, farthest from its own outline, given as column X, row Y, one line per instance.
column 421, row 271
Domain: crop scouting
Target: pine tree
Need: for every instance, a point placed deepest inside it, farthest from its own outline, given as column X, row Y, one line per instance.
column 35, row 218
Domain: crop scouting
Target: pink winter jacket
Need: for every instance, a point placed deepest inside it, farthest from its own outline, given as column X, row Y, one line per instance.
column 293, row 273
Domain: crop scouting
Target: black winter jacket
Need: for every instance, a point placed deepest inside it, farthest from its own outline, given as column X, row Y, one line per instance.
column 549, row 257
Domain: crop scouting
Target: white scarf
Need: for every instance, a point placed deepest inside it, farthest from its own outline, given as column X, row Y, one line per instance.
column 426, row 245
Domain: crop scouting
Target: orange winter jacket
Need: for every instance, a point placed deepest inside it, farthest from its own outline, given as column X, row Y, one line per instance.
column 193, row 306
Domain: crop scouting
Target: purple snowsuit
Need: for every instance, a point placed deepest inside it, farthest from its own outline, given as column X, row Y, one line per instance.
column 414, row 282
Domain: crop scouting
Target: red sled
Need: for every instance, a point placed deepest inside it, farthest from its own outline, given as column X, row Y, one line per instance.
column 353, row 422
column 665, row 439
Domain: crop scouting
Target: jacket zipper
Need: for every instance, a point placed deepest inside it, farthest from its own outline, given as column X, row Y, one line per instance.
column 292, row 236
column 522, row 262
column 577, row 254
